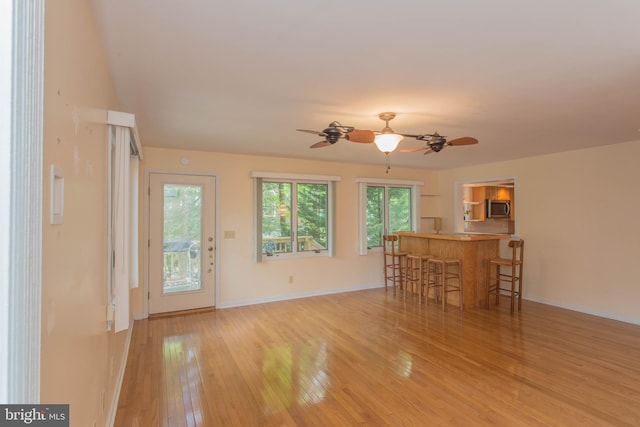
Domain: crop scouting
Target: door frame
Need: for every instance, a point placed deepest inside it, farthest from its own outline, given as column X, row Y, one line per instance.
column 146, row 233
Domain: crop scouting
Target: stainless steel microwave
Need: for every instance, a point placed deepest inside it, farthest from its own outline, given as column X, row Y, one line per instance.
column 497, row 208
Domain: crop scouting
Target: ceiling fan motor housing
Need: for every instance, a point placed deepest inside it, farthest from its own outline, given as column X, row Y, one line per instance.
column 333, row 134
column 437, row 144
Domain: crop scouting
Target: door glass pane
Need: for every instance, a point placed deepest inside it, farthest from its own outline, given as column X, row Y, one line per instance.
column 276, row 217
column 182, row 237
column 375, row 216
column 399, row 209
column 312, row 217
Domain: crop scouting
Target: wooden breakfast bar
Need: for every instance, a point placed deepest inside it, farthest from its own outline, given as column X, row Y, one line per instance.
column 473, row 250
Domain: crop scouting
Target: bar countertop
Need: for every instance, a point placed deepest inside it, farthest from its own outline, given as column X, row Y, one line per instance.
column 456, row 236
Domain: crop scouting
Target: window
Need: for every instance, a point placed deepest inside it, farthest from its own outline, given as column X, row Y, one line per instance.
column 294, row 215
column 118, row 199
column 122, row 228
column 388, row 210
column 386, row 207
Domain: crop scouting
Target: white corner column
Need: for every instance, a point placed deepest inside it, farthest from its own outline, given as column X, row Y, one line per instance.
column 22, row 253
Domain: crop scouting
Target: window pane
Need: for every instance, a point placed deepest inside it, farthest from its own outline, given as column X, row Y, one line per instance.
column 399, row 209
column 182, row 236
column 276, row 217
column 375, row 216
column 312, row 217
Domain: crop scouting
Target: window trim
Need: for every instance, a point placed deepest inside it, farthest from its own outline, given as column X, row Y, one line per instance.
column 363, row 183
column 330, row 180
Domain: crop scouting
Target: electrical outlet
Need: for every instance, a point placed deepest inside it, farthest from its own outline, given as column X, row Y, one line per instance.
column 290, row 279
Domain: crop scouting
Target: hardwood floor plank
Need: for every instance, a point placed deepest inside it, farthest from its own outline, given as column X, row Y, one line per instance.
column 372, row 358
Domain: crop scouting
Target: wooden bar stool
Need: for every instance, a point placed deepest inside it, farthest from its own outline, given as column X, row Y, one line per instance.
column 394, row 262
column 497, row 275
column 416, row 274
column 446, row 273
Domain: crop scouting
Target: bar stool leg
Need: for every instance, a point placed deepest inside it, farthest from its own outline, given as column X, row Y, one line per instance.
column 449, row 275
column 420, row 282
column 394, row 274
column 513, row 289
column 435, row 269
column 445, row 283
column 520, row 287
column 402, row 265
column 408, row 275
column 460, row 286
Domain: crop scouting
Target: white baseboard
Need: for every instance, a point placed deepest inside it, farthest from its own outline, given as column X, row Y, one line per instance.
column 111, row 416
column 585, row 310
column 240, row 303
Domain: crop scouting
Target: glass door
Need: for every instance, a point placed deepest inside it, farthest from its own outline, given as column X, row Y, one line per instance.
column 181, row 243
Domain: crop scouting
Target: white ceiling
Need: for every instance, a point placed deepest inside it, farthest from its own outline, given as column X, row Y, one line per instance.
column 524, row 78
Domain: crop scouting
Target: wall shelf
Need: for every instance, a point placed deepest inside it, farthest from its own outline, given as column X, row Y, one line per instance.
column 429, row 221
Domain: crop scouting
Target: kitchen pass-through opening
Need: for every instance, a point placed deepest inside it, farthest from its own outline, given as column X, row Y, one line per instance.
column 486, row 206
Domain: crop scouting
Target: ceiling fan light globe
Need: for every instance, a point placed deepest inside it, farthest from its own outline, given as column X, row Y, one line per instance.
column 387, row 142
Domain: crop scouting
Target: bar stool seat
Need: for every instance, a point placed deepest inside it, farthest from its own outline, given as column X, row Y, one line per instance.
column 512, row 275
column 446, row 273
column 394, row 262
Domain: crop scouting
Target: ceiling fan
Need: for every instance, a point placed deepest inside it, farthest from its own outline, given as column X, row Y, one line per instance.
column 387, row 139
column 335, row 131
column 436, row 142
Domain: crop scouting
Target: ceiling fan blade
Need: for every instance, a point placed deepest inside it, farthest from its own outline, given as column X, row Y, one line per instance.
column 321, row 144
column 362, row 136
column 315, row 132
column 466, row 140
column 413, row 150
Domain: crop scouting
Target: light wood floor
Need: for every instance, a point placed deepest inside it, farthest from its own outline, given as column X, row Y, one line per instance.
column 371, row 358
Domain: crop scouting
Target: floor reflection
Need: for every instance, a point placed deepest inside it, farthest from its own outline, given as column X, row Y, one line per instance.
column 182, row 372
column 294, row 374
column 404, row 364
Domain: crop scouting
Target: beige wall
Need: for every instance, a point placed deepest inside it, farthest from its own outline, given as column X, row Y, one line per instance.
column 241, row 279
column 578, row 213
column 80, row 359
